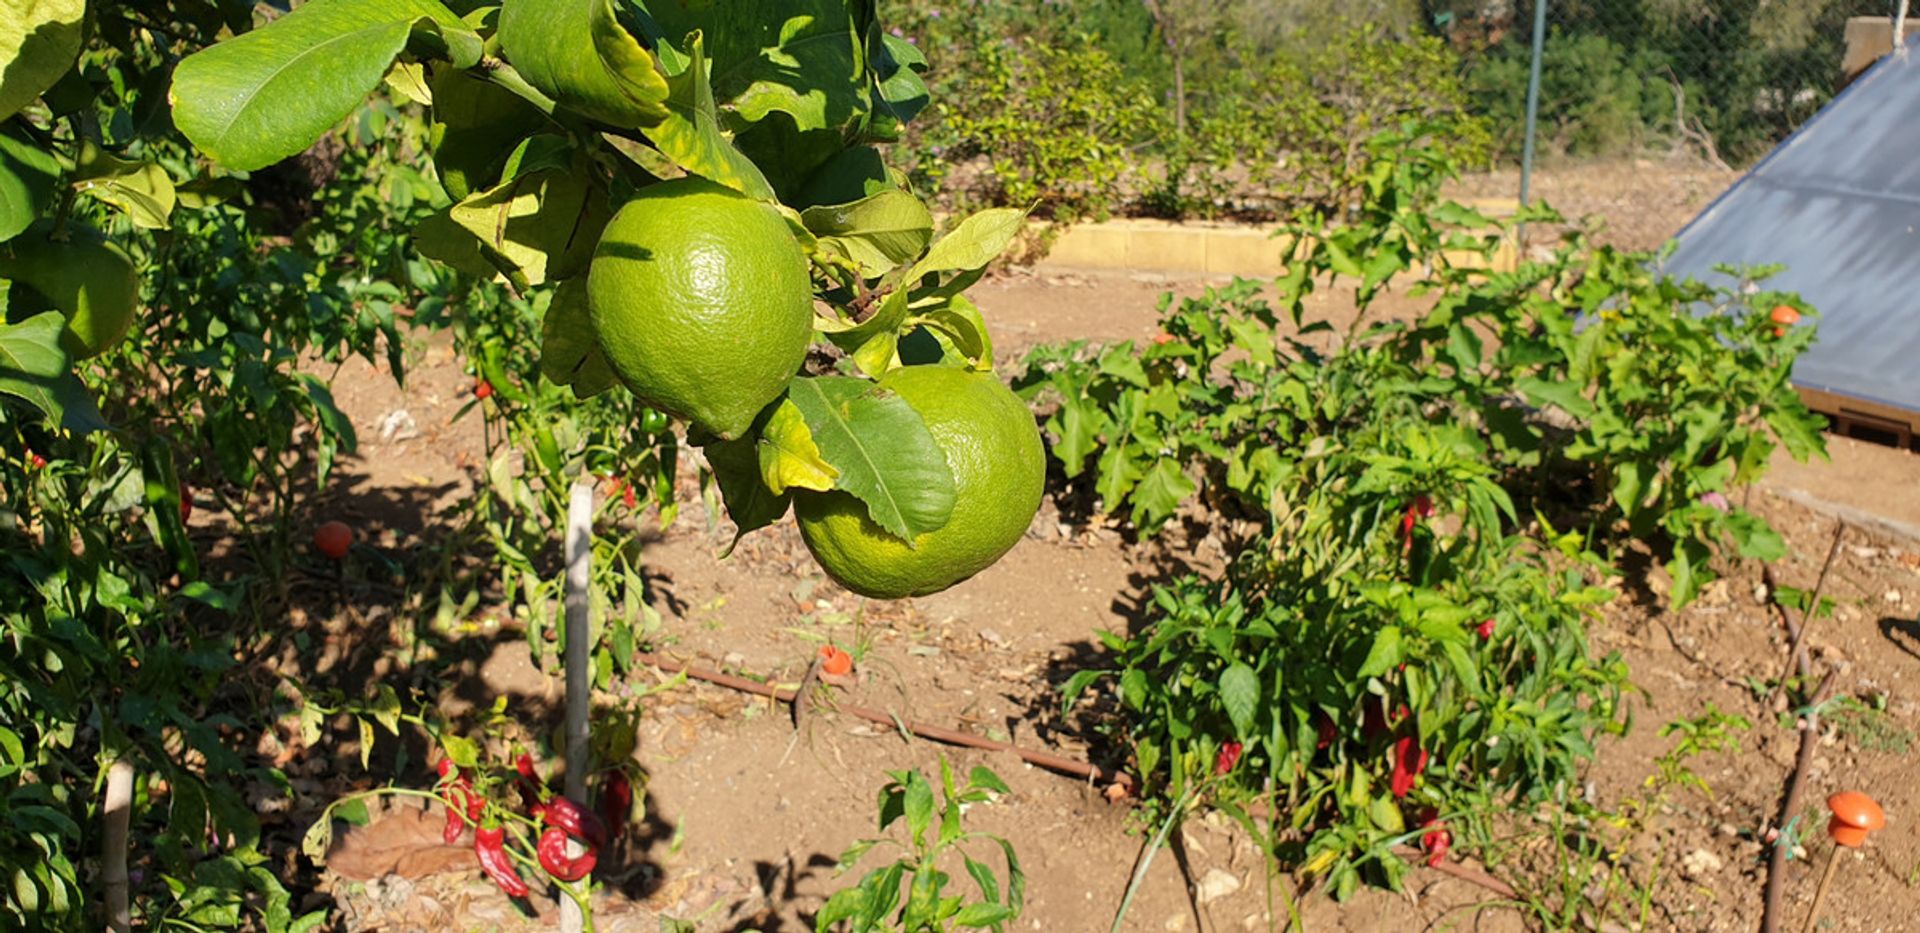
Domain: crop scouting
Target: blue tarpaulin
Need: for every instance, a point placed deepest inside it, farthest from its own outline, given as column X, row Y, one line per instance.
column 1838, row 204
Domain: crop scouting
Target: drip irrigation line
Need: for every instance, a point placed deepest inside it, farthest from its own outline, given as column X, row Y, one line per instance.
column 1059, row 763
column 1796, row 782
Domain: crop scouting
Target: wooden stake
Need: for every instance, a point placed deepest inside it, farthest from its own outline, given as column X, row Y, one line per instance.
column 579, row 667
column 113, row 846
column 1820, row 893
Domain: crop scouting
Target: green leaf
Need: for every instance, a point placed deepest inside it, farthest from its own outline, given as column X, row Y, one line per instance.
column 1384, row 654
column 539, row 225
column 476, row 126
column 788, row 456
column 690, row 133
column 751, row 505
column 961, row 329
column 803, row 58
column 576, row 52
column 918, row 804
column 569, row 352
column 264, row 95
column 1754, row 538
column 902, row 92
column 27, row 177
column 32, row 362
column 878, row 232
column 882, row 449
column 1159, row 493
column 39, row 40
column 976, row 242
column 976, row 916
column 141, row 190
column 1240, row 694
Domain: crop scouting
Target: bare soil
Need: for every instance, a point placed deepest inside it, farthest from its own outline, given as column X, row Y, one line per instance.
column 747, row 814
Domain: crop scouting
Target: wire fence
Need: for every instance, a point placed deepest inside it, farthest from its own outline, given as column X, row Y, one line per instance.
column 1726, row 79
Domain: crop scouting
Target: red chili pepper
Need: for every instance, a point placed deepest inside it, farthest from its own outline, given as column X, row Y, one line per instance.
column 490, row 844
column 570, row 816
column 35, row 460
column 1409, row 759
column 458, row 795
column 1485, row 629
column 1228, row 757
column 186, row 503
column 627, row 496
column 1328, row 732
column 529, row 783
column 552, row 849
column 1421, row 507
column 482, row 389
column 1435, row 841
column 616, row 801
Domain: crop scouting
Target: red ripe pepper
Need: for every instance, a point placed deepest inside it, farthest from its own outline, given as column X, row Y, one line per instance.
column 552, row 849
column 1485, row 630
column 529, row 783
column 616, row 801
column 564, row 813
column 457, row 793
column 490, row 844
column 1435, row 841
column 1409, row 759
column 1421, row 507
column 1328, row 732
column 1228, row 757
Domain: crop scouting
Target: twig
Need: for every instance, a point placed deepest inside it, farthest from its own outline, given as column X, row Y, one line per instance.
column 1463, row 872
column 1777, row 859
column 1797, row 651
column 113, row 846
column 803, row 695
column 1047, row 760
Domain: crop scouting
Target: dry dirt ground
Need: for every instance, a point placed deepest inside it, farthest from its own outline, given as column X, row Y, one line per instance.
column 747, row 814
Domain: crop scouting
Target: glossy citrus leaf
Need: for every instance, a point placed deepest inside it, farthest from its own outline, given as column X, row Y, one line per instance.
column 27, row 178
column 788, row 456
column 882, row 449
column 691, row 135
column 267, row 94
column 578, row 53
column 569, row 353
column 39, row 40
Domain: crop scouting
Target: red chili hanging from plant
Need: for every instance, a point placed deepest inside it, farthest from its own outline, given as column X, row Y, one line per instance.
column 490, row 844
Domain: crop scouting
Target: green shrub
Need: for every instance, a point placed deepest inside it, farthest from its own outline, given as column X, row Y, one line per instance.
column 1292, row 132
column 1399, row 642
column 1052, row 127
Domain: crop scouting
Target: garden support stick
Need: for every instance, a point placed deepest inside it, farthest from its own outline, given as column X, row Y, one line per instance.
column 1797, row 651
column 1777, row 859
column 1820, row 893
column 578, row 664
column 113, row 846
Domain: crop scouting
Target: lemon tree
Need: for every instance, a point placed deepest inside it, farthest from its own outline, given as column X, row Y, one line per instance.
column 704, row 188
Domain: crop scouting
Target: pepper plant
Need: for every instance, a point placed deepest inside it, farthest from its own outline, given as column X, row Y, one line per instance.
column 1420, row 512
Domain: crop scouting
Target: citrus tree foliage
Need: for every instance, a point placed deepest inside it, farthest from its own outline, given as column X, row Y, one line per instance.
column 548, row 115
column 155, row 311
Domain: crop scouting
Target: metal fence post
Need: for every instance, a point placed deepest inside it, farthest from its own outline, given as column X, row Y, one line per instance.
column 1533, row 98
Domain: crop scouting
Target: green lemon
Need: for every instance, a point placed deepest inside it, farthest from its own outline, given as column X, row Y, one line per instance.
column 85, row 277
column 999, row 470
column 701, row 301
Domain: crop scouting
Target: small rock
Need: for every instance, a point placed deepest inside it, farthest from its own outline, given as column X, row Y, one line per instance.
column 1176, row 923
column 1728, row 830
column 1892, row 597
column 994, row 638
column 1216, row 884
column 1700, row 862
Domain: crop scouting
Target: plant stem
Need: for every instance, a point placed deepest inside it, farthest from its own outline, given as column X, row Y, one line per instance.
column 1146, row 858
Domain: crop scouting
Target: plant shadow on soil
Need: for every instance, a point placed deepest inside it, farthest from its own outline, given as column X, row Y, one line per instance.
column 1904, row 634
column 350, row 627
